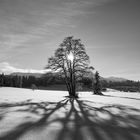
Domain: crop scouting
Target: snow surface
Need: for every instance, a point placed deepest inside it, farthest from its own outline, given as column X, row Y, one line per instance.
column 50, row 115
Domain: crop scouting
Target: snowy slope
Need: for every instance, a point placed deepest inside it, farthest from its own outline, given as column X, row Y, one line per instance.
column 49, row 115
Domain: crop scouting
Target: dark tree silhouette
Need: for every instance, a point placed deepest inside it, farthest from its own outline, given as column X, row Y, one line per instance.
column 2, row 80
column 71, row 62
column 97, row 84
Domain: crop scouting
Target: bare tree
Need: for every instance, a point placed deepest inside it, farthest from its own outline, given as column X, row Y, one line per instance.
column 71, row 62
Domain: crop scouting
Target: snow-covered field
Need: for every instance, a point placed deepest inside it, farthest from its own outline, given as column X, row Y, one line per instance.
column 49, row 115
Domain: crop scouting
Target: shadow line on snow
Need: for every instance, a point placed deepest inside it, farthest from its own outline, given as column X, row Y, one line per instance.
column 122, row 97
column 82, row 120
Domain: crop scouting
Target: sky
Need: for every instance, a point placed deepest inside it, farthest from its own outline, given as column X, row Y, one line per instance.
column 31, row 30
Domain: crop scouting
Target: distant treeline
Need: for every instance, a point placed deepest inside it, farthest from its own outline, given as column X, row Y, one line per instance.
column 53, row 82
column 127, row 86
column 28, row 81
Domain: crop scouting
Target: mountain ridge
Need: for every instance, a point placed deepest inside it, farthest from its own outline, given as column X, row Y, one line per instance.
column 38, row 75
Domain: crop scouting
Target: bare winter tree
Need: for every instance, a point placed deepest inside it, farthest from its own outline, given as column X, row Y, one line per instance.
column 71, row 62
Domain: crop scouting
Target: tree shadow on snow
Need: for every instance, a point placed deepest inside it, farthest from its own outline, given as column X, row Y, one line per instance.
column 81, row 120
column 122, row 97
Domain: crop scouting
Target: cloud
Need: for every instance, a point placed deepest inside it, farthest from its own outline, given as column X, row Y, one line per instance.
column 23, row 23
column 6, row 68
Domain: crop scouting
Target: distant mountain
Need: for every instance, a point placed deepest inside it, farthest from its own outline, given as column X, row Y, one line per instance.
column 115, row 79
column 37, row 75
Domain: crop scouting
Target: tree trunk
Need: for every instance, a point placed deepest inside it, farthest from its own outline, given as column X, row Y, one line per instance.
column 71, row 90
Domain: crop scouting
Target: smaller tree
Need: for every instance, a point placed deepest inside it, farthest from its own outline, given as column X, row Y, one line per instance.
column 33, row 87
column 2, row 80
column 97, row 84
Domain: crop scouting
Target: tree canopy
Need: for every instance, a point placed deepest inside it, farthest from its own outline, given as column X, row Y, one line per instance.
column 71, row 61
